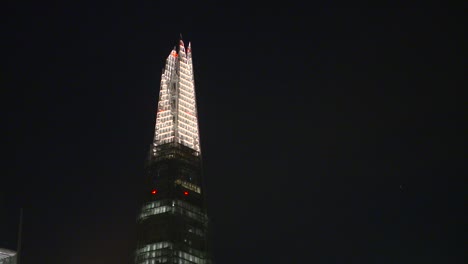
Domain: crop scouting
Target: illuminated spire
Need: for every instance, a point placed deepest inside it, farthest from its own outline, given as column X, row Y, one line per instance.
column 176, row 118
column 189, row 48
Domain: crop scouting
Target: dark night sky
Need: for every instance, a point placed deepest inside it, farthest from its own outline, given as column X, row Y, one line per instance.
column 329, row 135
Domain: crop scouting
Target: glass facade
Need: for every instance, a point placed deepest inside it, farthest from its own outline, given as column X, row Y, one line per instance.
column 163, row 252
column 173, row 207
column 172, row 225
column 176, row 118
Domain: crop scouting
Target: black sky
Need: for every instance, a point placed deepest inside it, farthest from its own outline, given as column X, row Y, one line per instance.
column 329, row 135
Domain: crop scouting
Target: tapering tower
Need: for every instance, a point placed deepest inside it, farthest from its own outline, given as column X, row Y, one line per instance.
column 172, row 226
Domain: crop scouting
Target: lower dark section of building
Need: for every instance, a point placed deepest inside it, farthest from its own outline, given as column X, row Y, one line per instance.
column 172, row 226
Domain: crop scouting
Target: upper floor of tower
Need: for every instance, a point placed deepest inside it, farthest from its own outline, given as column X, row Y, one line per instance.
column 176, row 117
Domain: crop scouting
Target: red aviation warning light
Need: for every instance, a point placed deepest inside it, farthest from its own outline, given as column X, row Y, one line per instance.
column 154, row 191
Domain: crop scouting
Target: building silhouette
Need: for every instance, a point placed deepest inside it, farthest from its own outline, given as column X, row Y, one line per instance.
column 172, row 225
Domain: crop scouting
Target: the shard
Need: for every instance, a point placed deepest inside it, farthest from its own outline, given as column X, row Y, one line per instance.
column 172, row 225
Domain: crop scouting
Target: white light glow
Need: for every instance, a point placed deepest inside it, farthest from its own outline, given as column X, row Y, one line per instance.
column 176, row 118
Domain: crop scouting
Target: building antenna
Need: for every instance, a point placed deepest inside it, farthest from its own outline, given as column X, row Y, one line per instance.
column 20, row 230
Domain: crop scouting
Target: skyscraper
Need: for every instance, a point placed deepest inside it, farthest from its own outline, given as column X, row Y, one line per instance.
column 172, row 226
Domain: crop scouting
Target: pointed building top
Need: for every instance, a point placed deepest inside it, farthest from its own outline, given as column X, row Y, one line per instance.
column 176, row 118
column 181, row 41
